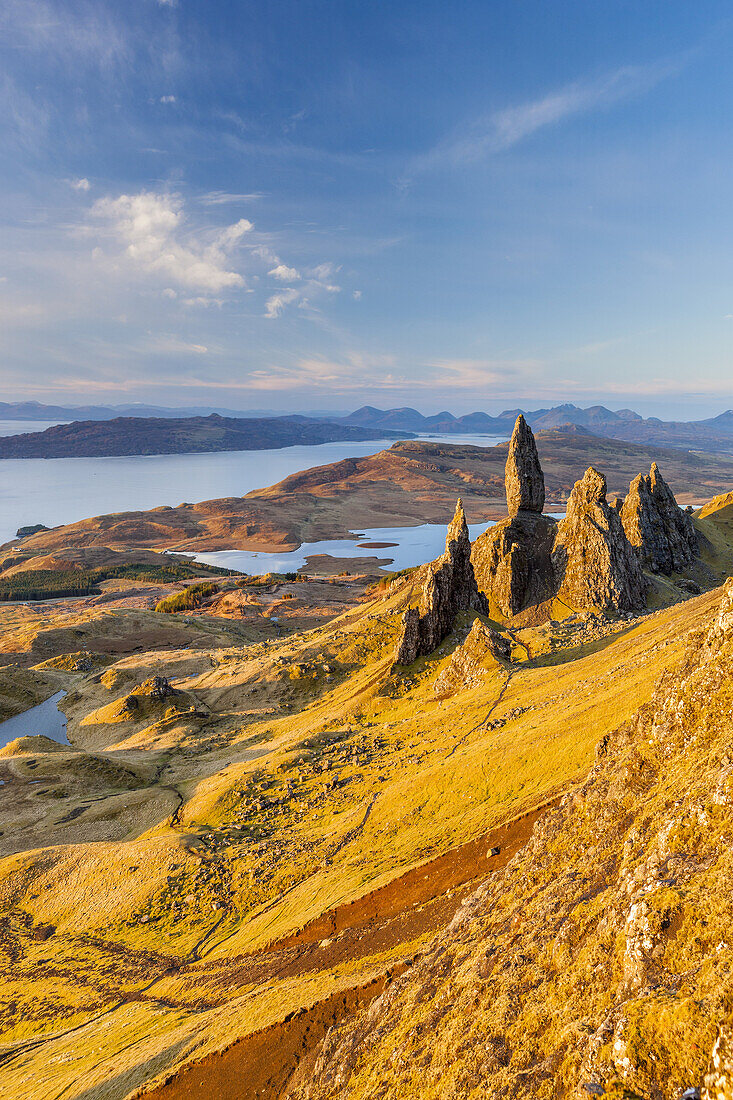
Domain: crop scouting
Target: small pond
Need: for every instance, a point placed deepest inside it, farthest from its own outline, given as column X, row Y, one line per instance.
column 44, row 720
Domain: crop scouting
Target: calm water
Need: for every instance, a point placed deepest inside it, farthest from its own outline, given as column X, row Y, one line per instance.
column 44, row 720
column 63, row 490
column 414, row 545
column 21, row 427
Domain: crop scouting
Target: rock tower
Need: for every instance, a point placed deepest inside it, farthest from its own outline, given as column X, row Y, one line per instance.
column 594, row 563
column 523, row 477
column 512, row 559
column 449, row 587
column 656, row 526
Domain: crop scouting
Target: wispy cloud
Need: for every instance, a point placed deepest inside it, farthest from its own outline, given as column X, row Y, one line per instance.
column 173, row 345
column 222, row 198
column 502, row 129
column 356, row 372
column 277, row 302
column 80, row 185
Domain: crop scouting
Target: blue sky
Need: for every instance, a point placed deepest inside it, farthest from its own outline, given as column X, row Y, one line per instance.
column 297, row 205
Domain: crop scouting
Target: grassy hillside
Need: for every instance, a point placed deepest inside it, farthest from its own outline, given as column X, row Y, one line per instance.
column 196, row 869
column 600, row 956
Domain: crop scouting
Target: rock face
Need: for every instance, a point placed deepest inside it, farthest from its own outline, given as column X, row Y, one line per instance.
column 450, row 587
column 482, row 650
column 523, row 477
column 512, row 562
column 662, row 533
column 594, row 562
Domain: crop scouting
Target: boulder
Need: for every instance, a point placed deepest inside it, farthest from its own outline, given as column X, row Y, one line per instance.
column 483, row 649
column 523, row 477
column 663, row 535
column 594, row 563
column 450, row 587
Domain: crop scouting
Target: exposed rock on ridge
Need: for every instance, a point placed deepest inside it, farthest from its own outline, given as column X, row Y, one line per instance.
column 594, row 563
column 512, row 559
column 450, row 587
column 662, row 533
column 523, row 477
column 470, row 664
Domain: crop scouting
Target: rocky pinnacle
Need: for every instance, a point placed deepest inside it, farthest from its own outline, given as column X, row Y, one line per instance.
column 662, row 533
column 523, row 477
column 449, row 587
column 595, row 564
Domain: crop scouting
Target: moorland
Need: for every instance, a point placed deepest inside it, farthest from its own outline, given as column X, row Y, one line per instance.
column 279, row 859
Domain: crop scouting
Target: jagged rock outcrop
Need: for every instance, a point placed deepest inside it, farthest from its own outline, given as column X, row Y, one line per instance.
column 664, row 535
column 594, row 562
column 512, row 559
column 523, row 477
column 450, row 587
column 483, row 649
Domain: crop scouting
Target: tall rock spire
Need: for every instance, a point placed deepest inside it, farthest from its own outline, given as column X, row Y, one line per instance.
column 449, row 587
column 595, row 563
column 662, row 533
column 523, row 477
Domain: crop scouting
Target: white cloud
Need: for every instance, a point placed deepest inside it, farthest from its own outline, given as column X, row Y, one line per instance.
column 284, row 273
column 502, row 129
column 356, row 295
column 167, row 99
column 80, row 185
column 168, row 3
column 277, row 302
column 152, row 227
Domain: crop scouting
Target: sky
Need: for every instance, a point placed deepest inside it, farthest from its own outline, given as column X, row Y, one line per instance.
column 302, row 204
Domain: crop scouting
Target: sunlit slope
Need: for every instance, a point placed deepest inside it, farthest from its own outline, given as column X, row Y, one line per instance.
column 600, row 959
column 309, row 776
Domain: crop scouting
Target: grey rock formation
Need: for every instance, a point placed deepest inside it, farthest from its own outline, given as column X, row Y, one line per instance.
column 523, row 477
column 594, row 562
column 449, row 587
column 512, row 562
column 664, row 536
column 472, row 662
column 512, row 559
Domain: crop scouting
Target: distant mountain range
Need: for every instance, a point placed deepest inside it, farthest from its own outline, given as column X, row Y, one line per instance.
column 128, row 435
column 35, row 410
column 713, row 434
